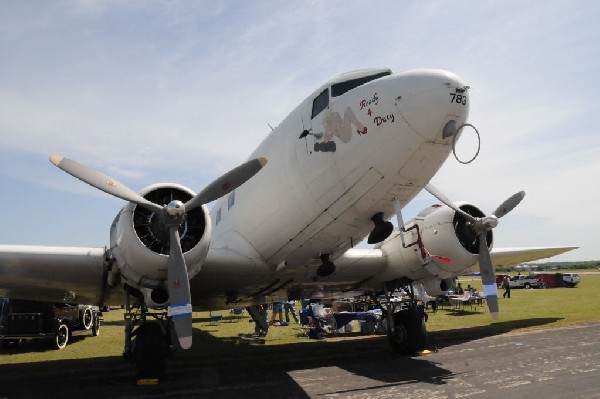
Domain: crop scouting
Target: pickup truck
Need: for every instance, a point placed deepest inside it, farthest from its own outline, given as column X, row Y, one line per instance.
column 20, row 320
column 571, row 279
column 526, row 282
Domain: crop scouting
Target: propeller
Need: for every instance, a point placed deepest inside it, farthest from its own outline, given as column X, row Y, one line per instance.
column 171, row 216
column 480, row 226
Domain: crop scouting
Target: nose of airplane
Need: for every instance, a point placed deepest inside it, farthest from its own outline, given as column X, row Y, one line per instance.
column 429, row 99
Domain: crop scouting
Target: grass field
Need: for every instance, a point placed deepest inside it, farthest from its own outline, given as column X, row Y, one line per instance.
column 525, row 310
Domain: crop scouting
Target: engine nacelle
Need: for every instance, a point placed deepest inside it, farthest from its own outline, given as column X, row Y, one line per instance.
column 447, row 234
column 141, row 247
column 444, row 246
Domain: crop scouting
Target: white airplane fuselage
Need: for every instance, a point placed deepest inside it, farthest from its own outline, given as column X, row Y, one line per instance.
column 315, row 197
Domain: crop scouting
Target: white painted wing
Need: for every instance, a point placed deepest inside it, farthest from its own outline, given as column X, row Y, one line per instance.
column 52, row 274
column 514, row 256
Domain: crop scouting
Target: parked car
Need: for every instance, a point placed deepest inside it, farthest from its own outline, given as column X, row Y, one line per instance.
column 526, row 282
column 20, row 320
column 571, row 279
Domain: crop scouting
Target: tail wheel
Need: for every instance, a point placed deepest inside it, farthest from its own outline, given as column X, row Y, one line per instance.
column 410, row 333
column 150, row 350
column 62, row 336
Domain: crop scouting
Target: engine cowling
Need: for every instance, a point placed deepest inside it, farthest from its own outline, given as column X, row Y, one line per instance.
column 444, row 246
column 141, row 247
column 447, row 234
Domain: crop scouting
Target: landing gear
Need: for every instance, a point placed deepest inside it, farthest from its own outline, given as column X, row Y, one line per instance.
column 146, row 342
column 409, row 334
column 150, row 350
column 406, row 329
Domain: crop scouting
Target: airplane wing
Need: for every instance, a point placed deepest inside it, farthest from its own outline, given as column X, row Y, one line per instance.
column 53, row 274
column 514, row 256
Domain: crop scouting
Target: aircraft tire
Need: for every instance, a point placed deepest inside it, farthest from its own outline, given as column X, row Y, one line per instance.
column 62, row 336
column 410, row 333
column 150, row 351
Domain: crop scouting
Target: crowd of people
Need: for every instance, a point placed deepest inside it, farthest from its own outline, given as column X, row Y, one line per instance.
column 283, row 312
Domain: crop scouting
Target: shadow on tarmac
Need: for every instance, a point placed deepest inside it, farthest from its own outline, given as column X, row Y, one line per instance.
column 221, row 367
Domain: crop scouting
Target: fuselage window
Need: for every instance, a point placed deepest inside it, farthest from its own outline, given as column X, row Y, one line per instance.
column 340, row 88
column 231, row 200
column 218, row 217
column 320, row 103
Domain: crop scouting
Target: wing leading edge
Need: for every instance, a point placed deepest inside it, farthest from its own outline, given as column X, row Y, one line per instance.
column 514, row 256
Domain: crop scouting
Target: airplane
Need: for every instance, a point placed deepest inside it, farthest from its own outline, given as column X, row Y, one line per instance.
column 284, row 224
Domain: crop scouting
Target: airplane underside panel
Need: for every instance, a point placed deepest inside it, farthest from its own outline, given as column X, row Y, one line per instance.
column 52, row 274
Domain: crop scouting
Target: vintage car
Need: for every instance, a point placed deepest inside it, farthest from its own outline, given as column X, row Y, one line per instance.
column 20, row 320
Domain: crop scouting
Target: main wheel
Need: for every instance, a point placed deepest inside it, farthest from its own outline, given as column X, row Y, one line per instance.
column 62, row 336
column 150, row 350
column 410, row 333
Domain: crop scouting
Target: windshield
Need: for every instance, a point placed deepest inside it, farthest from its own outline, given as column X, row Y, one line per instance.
column 340, row 88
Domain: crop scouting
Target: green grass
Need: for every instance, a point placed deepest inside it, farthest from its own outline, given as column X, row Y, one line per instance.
column 568, row 306
column 525, row 310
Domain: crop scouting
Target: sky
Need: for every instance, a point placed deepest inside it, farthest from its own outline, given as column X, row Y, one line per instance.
column 182, row 91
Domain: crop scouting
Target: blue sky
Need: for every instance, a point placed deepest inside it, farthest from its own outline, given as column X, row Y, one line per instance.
column 154, row 91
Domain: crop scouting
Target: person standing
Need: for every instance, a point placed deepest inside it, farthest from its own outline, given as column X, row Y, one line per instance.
column 506, row 286
column 260, row 316
column 289, row 308
column 277, row 312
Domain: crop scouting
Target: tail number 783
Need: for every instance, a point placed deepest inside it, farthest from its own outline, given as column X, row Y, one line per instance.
column 458, row 98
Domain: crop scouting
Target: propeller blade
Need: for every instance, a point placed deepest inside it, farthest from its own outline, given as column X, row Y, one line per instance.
column 179, row 291
column 488, row 277
column 227, row 183
column 102, row 182
column 439, row 195
column 509, row 204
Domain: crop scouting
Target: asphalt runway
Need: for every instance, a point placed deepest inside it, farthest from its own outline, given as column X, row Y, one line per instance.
column 469, row 363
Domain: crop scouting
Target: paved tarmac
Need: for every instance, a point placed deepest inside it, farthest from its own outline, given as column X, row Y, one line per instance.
column 469, row 363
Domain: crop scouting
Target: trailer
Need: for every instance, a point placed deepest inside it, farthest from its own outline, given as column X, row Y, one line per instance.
column 21, row 320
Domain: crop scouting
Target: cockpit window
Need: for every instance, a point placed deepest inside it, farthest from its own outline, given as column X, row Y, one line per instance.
column 320, row 103
column 340, row 88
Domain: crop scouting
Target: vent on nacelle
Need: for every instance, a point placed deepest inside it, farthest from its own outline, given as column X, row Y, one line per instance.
column 152, row 233
column 465, row 234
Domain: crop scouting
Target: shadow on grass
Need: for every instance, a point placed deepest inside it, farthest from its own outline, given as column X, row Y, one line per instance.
column 222, row 367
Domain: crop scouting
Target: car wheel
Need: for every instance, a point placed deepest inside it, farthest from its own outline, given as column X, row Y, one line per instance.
column 62, row 336
column 96, row 326
column 87, row 318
